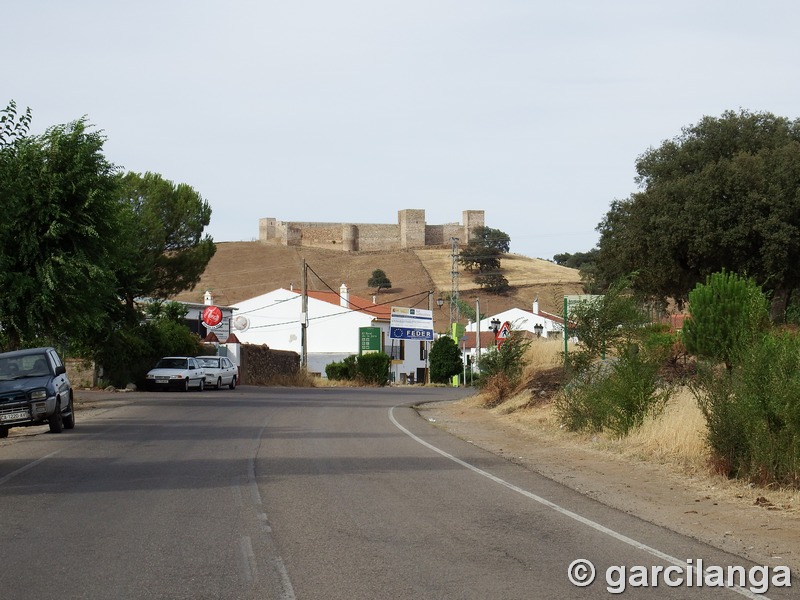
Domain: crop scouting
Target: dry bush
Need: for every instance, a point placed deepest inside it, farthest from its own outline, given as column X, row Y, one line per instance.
column 542, row 355
column 676, row 437
column 495, row 390
column 301, row 378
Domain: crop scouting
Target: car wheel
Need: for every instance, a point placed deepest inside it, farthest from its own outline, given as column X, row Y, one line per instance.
column 201, row 385
column 233, row 382
column 69, row 420
column 185, row 385
column 56, row 422
column 3, row 432
column 219, row 383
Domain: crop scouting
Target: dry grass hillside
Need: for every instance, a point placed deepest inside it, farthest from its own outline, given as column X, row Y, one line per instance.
column 242, row 270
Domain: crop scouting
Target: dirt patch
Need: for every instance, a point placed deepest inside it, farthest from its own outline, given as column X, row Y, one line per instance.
column 758, row 525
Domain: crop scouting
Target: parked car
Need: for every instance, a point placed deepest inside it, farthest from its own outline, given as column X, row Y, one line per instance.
column 35, row 390
column 176, row 372
column 219, row 371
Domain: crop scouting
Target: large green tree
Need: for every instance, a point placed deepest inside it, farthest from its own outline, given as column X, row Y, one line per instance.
column 723, row 195
column 484, row 250
column 57, row 251
column 445, row 359
column 163, row 230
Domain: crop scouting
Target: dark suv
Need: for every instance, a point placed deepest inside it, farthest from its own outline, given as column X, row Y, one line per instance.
column 34, row 390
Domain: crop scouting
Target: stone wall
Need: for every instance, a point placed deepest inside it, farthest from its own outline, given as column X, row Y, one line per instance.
column 411, row 231
column 259, row 365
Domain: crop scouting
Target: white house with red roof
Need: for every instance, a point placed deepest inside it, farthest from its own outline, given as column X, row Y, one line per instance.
column 334, row 321
column 533, row 323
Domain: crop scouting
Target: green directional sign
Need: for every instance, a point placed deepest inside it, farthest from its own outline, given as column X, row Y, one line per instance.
column 369, row 340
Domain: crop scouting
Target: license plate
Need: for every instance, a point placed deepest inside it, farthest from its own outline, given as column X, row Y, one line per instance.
column 162, row 379
column 15, row 416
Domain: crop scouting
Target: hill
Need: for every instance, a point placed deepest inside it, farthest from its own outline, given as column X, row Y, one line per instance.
column 242, row 270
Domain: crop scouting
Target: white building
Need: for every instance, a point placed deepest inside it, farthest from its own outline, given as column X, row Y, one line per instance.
column 537, row 322
column 334, row 323
column 534, row 323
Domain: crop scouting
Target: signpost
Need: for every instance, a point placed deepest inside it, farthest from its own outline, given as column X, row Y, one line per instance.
column 369, row 340
column 411, row 324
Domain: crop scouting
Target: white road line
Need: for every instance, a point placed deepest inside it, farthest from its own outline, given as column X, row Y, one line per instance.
column 248, row 559
column 30, row 465
column 559, row 509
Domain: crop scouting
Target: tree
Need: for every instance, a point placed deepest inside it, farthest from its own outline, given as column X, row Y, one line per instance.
column 487, row 237
column 722, row 195
column 484, row 250
column 726, row 315
column 611, row 321
column 576, row 260
column 445, row 359
column 163, row 234
column 379, row 281
column 493, row 282
column 58, row 232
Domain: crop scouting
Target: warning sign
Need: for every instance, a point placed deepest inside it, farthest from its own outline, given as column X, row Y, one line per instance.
column 503, row 333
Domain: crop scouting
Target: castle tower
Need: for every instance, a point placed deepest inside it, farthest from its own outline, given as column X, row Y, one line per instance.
column 412, row 228
column 472, row 219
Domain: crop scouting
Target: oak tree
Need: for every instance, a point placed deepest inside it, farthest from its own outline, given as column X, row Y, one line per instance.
column 723, row 195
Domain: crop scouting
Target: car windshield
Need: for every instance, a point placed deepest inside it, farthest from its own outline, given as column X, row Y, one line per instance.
column 172, row 363
column 208, row 362
column 30, row 365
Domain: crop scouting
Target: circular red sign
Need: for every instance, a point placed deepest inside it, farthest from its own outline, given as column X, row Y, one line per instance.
column 212, row 316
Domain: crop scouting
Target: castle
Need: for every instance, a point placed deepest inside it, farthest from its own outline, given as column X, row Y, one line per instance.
column 411, row 231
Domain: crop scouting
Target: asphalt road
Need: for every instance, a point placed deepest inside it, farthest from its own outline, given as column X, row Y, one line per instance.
column 281, row 493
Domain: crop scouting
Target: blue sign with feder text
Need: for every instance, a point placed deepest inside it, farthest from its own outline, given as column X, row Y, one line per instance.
column 411, row 324
column 404, row 333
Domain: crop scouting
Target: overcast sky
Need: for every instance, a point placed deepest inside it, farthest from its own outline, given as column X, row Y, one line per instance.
column 349, row 110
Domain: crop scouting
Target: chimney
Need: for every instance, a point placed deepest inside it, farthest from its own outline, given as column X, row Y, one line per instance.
column 344, row 296
column 374, row 299
column 536, row 305
column 208, row 299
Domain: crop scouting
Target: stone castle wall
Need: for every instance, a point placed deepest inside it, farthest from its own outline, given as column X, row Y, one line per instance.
column 411, row 231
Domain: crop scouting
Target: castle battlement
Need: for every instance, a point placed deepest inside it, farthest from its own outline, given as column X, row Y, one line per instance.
column 411, row 231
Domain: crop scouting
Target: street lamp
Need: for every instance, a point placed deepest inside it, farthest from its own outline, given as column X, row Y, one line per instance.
column 538, row 328
column 440, row 302
column 495, row 326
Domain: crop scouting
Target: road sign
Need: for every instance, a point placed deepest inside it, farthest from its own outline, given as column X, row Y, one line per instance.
column 503, row 333
column 370, row 339
column 411, row 324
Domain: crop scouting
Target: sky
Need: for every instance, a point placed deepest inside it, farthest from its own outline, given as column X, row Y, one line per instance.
column 350, row 110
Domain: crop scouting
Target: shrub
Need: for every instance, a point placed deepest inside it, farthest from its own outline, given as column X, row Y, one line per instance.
column 369, row 369
column 614, row 395
column 344, row 370
column 501, row 369
column 726, row 314
column 753, row 412
column 373, row 368
column 603, row 324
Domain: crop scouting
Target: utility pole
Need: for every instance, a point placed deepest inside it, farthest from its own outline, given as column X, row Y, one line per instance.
column 428, row 344
column 477, row 332
column 453, row 283
column 304, row 321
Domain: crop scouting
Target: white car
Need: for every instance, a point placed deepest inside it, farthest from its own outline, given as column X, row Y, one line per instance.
column 219, row 371
column 176, row 372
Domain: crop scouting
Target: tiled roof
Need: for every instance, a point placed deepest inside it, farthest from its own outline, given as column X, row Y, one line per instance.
column 377, row 311
column 488, row 338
